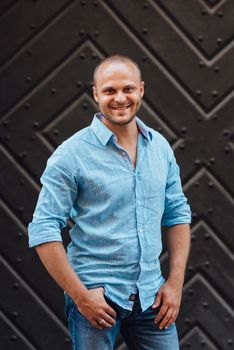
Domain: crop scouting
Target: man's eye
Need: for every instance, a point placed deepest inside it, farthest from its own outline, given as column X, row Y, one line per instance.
column 128, row 89
column 109, row 91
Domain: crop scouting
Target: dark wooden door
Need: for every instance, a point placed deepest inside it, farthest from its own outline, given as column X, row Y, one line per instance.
column 48, row 52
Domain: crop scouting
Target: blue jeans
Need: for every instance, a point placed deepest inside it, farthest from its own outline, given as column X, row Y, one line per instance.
column 136, row 327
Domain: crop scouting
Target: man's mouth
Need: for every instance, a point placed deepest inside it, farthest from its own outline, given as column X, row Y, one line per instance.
column 120, row 108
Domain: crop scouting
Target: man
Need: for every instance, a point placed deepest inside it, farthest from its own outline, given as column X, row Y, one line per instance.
column 119, row 182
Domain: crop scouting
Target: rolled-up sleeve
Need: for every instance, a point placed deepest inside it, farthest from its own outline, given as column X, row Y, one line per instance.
column 176, row 208
column 55, row 201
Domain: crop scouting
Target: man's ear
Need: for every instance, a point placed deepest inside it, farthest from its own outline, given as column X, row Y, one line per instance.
column 95, row 94
column 142, row 88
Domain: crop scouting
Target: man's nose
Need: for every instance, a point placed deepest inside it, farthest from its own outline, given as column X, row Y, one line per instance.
column 120, row 97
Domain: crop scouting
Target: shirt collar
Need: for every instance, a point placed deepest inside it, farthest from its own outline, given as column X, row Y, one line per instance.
column 104, row 134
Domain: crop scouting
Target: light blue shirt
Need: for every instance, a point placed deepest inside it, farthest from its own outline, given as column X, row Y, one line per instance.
column 118, row 209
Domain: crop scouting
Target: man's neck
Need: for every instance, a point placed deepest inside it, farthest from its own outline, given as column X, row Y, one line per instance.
column 126, row 134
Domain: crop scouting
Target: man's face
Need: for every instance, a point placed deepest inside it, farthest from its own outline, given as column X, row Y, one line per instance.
column 118, row 91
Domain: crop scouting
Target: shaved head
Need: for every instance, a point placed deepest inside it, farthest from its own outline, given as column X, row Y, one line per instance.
column 115, row 59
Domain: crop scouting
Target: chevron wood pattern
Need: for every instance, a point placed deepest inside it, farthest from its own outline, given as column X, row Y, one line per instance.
column 48, row 53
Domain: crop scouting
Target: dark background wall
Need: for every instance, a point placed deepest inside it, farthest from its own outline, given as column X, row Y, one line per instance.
column 48, row 52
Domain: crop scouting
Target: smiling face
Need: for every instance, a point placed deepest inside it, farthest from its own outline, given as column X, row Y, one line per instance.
column 118, row 91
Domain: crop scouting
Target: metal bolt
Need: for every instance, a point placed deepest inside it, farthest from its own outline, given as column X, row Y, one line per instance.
column 16, row 285
column 182, row 146
column 13, row 337
column 56, row 132
column 215, row 93
column 197, row 162
column 226, row 132
column 191, row 292
column 200, row 38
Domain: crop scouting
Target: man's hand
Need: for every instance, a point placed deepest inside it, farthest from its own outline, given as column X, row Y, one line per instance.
column 95, row 309
column 169, row 297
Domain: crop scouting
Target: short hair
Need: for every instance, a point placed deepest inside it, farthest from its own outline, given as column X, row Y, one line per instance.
column 118, row 59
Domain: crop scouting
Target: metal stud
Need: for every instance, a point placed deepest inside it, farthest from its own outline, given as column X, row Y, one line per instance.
column 226, row 132
column 215, row 93
column 145, row 30
column 28, row 79
column 207, row 235
column 200, row 38
column 210, row 184
column 13, row 337
column 56, row 132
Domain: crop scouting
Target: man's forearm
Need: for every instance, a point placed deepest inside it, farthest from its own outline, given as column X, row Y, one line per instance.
column 54, row 258
column 178, row 245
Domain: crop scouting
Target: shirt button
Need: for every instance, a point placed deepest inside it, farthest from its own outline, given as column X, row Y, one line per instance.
column 123, row 153
column 139, row 202
column 140, row 230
